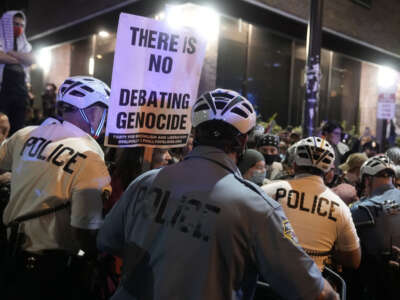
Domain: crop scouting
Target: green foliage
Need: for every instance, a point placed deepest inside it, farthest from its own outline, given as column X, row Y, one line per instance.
column 343, row 124
column 297, row 130
column 276, row 129
column 354, row 132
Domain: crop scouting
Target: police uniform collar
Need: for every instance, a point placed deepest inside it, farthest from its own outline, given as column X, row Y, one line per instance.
column 214, row 154
column 73, row 130
column 383, row 188
column 303, row 175
column 66, row 124
column 51, row 120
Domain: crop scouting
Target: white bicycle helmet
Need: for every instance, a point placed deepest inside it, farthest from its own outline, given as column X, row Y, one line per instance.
column 376, row 164
column 314, row 152
column 226, row 105
column 82, row 92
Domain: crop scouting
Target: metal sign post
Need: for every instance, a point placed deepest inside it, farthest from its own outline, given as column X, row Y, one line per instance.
column 147, row 158
column 313, row 70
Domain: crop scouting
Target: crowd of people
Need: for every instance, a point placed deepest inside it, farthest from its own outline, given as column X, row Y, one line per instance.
column 237, row 205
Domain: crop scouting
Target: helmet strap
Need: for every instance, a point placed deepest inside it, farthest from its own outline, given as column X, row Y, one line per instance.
column 101, row 124
column 94, row 133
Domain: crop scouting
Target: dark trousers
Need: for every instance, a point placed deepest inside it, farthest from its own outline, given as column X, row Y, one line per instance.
column 14, row 108
column 14, row 95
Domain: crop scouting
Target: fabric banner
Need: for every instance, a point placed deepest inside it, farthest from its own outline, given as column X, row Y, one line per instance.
column 155, row 79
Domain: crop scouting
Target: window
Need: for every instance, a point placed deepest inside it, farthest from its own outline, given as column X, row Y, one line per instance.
column 268, row 69
column 256, row 63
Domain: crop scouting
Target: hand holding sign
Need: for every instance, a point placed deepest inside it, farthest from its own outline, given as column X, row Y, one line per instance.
column 155, row 80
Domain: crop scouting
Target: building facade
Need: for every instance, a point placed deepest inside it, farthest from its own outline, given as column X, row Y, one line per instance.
column 260, row 51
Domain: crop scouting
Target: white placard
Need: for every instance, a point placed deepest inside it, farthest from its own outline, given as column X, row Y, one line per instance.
column 386, row 106
column 155, row 79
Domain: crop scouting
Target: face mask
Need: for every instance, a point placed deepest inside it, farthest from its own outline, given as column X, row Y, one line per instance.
column 258, row 177
column 17, row 31
column 269, row 159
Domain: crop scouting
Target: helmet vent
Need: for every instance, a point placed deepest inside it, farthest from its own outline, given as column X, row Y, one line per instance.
column 240, row 112
column 71, row 87
column 107, row 92
column 77, row 93
column 248, row 107
column 222, row 95
column 232, row 104
column 220, row 104
column 303, row 155
column 86, row 88
column 201, row 107
column 210, row 101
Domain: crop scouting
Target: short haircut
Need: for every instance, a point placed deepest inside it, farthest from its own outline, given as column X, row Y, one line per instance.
column 219, row 134
column 330, row 126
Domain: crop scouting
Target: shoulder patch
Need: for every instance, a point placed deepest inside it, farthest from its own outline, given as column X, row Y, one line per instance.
column 288, row 232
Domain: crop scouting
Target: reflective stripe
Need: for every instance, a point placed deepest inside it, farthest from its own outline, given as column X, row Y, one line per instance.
column 101, row 124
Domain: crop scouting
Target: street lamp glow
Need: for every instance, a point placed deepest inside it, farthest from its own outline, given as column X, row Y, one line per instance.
column 91, row 66
column 387, row 77
column 43, row 58
column 104, row 34
column 205, row 20
column 160, row 16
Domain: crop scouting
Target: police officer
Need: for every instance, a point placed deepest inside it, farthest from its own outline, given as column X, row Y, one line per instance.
column 394, row 155
column 198, row 230
column 377, row 219
column 320, row 219
column 58, row 179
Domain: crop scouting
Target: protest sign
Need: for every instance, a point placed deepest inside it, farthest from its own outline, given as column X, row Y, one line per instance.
column 155, row 78
column 386, row 106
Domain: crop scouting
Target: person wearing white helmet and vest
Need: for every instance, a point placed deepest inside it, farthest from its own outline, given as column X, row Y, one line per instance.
column 320, row 219
column 58, row 182
column 197, row 230
column 377, row 219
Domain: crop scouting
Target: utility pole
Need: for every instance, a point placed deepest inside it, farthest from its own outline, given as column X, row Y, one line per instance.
column 313, row 69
